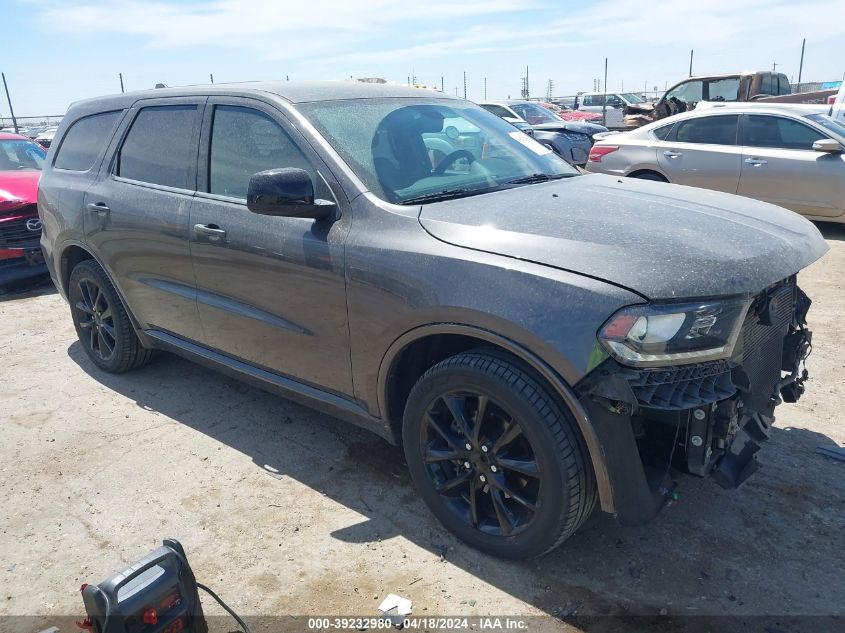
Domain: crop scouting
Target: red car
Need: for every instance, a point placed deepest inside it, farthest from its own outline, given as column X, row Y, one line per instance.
column 20, row 227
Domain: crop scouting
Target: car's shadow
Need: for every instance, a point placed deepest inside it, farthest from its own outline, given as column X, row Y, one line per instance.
column 35, row 287
column 713, row 551
column 832, row 230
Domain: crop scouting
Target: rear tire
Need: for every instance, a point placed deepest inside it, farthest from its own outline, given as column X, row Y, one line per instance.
column 525, row 484
column 102, row 323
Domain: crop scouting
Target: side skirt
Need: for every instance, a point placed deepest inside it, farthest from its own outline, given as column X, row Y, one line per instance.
column 312, row 397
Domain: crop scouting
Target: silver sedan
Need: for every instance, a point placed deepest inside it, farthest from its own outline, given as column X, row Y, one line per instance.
column 791, row 157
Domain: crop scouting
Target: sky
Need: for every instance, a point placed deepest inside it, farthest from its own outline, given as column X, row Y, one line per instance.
column 54, row 52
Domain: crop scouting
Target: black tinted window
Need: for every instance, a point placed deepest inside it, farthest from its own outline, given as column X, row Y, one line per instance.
column 714, row 130
column 84, row 141
column 243, row 142
column 662, row 132
column 158, row 148
column 777, row 132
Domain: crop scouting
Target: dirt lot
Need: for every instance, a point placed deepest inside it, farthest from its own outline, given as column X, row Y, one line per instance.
column 285, row 511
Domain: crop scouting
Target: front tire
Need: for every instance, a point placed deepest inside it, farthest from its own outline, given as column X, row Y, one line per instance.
column 495, row 457
column 102, row 323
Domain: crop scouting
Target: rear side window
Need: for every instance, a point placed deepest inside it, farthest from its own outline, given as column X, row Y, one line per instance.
column 780, row 133
column 84, row 140
column 244, row 142
column 159, row 148
column 712, row 130
column 662, row 132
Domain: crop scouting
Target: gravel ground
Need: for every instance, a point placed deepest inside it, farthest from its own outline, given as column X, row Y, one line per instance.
column 287, row 512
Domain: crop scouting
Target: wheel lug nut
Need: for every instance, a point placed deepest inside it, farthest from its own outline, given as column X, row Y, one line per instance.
column 482, row 479
column 468, row 446
column 467, row 465
column 493, row 468
column 484, row 449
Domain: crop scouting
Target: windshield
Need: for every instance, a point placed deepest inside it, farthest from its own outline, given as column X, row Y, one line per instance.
column 18, row 155
column 404, row 150
column 535, row 114
column 632, row 98
column 837, row 127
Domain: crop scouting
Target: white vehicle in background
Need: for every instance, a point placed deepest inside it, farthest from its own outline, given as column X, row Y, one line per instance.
column 837, row 110
column 612, row 104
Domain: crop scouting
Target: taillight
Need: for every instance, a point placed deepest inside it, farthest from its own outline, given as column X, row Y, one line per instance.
column 600, row 151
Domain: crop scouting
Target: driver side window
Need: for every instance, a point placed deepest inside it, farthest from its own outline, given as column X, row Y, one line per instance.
column 245, row 141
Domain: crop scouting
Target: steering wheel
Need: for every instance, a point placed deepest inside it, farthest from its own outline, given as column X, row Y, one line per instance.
column 451, row 158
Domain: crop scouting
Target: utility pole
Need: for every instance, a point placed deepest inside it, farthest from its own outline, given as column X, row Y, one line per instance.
column 604, row 101
column 801, row 65
column 485, row 88
column 121, row 81
column 774, row 67
column 9, row 99
column 690, row 61
column 441, row 84
column 527, row 93
column 211, row 76
column 465, row 84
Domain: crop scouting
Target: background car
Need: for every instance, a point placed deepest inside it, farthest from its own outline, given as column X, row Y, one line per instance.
column 571, row 140
column 568, row 114
column 45, row 138
column 611, row 105
column 791, row 156
column 20, row 228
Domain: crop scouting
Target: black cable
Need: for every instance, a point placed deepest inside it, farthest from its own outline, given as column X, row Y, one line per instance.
column 240, row 622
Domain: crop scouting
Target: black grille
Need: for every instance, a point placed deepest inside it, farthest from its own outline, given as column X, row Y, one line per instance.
column 683, row 387
column 15, row 232
column 762, row 337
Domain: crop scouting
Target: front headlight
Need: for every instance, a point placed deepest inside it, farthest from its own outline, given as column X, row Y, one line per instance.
column 674, row 334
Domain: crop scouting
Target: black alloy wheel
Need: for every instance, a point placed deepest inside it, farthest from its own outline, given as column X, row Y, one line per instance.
column 498, row 460
column 101, row 321
column 481, row 462
column 96, row 318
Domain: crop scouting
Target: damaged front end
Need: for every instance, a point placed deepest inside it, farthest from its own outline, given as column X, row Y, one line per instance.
column 694, row 388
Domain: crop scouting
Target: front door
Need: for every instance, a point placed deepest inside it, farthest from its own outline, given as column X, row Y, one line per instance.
column 702, row 152
column 270, row 290
column 137, row 213
column 780, row 166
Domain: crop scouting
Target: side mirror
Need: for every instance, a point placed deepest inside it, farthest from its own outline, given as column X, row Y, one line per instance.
column 828, row 145
column 287, row 192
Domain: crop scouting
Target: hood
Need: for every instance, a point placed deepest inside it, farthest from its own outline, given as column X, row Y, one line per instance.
column 19, row 186
column 662, row 241
column 578, row 115
column 571, row 126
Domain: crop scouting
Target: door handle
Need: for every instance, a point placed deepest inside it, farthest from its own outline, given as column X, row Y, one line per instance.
column 672, row 154
column 213, row 232
column 98, row 207
column 756, row 161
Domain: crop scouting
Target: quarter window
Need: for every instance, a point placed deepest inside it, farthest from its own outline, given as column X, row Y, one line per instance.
column 244, row 142
column 159, row 148
column 712, row 130
column 779, row 132
column 84, row 140
column 662, row 133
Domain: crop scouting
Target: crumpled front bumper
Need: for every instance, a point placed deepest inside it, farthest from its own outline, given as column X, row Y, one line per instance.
column 706, row 419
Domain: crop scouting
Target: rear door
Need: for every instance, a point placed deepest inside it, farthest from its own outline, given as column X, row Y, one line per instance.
column 703, row 152
column 271, row 290
column 780, row 166
column 137, row 213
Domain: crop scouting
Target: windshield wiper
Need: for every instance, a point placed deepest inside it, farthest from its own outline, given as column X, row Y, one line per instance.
column 449, row 194
column 528, row 180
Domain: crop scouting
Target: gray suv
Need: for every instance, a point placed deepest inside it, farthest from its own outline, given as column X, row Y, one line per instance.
column 538, row 341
